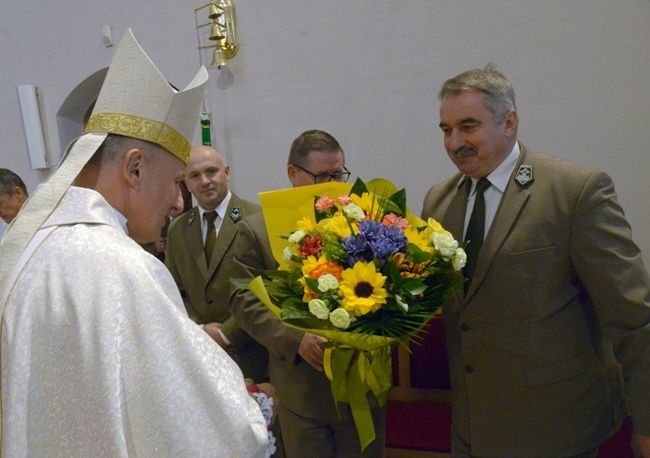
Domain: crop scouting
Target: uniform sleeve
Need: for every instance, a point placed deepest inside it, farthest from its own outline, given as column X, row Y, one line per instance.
column 610, row 266
column 253, row 316
column 170, row 261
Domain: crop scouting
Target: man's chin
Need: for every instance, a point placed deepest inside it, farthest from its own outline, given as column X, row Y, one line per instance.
column 465, row 166
column 143, row 237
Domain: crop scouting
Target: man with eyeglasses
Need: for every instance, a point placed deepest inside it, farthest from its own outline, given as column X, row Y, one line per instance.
column 308, row 418
column 325, row 177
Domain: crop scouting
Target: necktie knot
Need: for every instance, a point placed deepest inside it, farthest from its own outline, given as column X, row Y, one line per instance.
column 482, row 185
column 210, row 217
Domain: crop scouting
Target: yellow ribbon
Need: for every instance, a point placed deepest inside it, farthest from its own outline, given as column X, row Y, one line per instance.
column 350, row 377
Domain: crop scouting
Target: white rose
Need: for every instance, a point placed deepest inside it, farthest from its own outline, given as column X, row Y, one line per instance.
column 319, row 309
column 286, row 254
column 354, row 211
column 340, row 318
column 459, row 259
column 297, row 236
column 327, row 282
column 444, row 243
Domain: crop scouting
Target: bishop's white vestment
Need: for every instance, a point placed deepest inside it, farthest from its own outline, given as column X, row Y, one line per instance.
column 99, row 357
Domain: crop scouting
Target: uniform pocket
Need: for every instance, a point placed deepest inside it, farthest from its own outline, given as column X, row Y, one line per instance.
column 556, row 372
column 535, row 255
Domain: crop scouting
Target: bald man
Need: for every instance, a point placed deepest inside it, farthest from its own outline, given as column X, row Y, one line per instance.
column 200, row 252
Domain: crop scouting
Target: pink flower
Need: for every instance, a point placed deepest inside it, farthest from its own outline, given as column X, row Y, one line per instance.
column 344, row 199
column 392, row 219
column 324, row 203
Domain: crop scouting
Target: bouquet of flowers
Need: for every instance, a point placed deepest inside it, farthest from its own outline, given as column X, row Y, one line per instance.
column 361, row 270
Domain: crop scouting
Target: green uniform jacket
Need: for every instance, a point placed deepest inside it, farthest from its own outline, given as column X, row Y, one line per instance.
column 559, row 289
column 205, row 290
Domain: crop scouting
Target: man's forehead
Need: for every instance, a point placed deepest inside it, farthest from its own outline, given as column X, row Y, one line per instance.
column 326, row 163
column 204, row 159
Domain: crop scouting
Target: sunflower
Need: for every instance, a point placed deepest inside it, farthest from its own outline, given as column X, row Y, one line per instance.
column 362, row 289
column 421, row 239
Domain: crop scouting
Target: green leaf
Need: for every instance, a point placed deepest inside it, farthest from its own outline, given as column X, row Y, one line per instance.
column 393, row 273
column 418, row 255
column 413, row 286
column 388, row 206
column 293, row 308
column 313, row 284
column 401, row 304
column 399, row 199
column 334, row 251
column 359, row 187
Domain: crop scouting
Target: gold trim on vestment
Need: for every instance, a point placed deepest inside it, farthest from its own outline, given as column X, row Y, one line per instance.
column 143, row 129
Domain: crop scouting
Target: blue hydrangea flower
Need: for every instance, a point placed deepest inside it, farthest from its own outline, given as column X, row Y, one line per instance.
column 374, row 241
column 358, row 248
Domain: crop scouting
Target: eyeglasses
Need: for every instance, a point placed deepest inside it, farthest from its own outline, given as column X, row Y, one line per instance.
column 326, row 177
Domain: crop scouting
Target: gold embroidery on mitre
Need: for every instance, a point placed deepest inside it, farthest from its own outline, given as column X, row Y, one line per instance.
column 143, row 129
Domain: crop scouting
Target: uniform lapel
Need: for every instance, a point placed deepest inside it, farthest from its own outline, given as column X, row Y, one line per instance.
column 225, row 237
column 454, row 217
column 512, row 203
column 194, row 240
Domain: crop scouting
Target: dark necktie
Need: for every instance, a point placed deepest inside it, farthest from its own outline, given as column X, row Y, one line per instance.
column 211, row 236
column 475, row 230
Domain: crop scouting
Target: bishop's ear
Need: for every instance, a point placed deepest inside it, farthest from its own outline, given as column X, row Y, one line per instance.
column 132, row 166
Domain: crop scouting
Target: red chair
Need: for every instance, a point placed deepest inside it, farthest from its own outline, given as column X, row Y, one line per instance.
column 418, row 414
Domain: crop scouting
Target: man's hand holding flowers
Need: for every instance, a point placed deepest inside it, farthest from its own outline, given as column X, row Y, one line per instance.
column 311, row 351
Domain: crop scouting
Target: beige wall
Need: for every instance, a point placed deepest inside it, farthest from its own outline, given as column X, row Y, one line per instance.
column 367, row 71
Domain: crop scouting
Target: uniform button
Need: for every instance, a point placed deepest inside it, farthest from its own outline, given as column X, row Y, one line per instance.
column 210, row 301
column 469, row 368
column 464, row 327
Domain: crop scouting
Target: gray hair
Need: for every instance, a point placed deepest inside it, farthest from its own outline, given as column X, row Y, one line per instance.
column 114, row 148
column 500, row 94
column 9, row 181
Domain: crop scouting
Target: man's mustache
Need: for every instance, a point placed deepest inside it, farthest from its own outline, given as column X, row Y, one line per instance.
column 463, row 152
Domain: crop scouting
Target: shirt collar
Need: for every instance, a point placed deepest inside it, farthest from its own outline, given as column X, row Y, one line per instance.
column 221, row 208
column 500, row 176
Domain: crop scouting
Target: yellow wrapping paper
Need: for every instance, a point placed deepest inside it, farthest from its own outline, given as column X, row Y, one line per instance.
column 283, row 208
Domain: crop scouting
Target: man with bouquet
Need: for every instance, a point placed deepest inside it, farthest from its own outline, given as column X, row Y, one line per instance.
column 557, row 298
column 308, row 417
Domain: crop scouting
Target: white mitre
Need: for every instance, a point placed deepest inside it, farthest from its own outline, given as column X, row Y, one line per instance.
column 135, row 101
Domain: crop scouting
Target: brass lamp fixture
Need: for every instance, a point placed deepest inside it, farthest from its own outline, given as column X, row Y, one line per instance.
column 223, row 31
